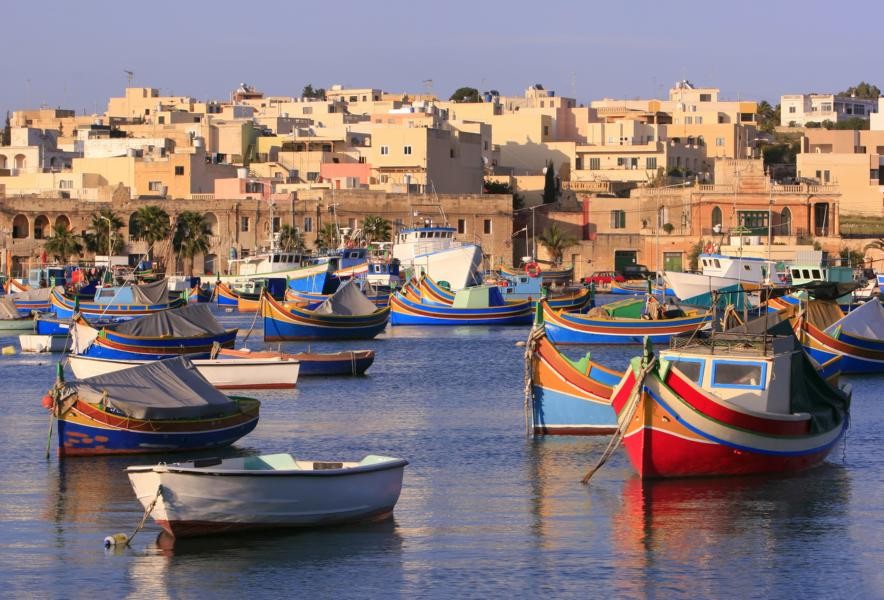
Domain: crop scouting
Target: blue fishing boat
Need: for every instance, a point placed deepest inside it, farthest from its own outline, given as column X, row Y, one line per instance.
column 478, row 305
column 857, row 337
column 344, row 362
column 163, row 406
column 525, row 287
column 380, row 296
column 345, row 315
column 125, row 302
column 191, row 329
column 30, row 301
column 624, row 322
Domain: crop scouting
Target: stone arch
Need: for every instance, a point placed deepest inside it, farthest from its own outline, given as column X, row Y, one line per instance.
column 212, row 221
column 785, row 222
column 133, row 225
column 53, row 162
column 21, row 227
column 20, row 161
column 716, row 216
column 2, row 161
column 41, row 227
column 210, row 264
column 63, row 220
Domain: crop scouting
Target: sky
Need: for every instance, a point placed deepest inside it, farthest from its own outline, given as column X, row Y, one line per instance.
column 74, row 55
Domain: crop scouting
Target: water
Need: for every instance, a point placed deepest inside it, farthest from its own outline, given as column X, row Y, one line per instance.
column 484, row 511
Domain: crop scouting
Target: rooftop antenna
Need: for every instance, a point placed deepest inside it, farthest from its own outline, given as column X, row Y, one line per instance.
column 574, row 85
column 130, row 75
column 428, row 85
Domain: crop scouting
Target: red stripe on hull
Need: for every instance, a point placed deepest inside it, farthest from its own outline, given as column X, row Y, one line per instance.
column 655, row 453
column 544, row 430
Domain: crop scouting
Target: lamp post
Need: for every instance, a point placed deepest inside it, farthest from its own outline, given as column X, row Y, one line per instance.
column 533, row 248
column 109, row 247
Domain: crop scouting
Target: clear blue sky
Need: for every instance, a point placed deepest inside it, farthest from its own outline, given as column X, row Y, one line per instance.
column 73, row 54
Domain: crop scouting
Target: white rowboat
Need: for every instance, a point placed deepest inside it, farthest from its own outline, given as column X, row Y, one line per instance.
column 256, row 492
column 223, row 373
column 44, row 343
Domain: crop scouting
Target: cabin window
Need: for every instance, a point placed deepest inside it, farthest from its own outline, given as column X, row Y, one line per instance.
column 732, row 374
column 746, row 267
column 275, row 258
column 796, row 273
column 107, row 293
column 692, row 369
column 805, row 273
column 423, row 234
column 717, row 264
column 816, row 274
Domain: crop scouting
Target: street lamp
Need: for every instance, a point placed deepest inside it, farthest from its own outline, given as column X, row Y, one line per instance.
column 109, row 248
column 533, row 229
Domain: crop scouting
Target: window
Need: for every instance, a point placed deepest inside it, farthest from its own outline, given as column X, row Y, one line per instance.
column 716, row 216
column 308, row 110
column 705, row 97
column 692, row 369
column 719, row 141
column 698, row 120
column 792, row 110
column 732, row 374
column 486, row 227
column 244, row 223
column 461, row 225
column 155, row 186
column 595, row 164
column 308, row 224
column 451, row 153
column 179, row 170
column 546, row 130
column 312, row 175
column 618, row 219
column 406, row 150
column 651, row 162
column 754, row 220
column 276, row 224
column 859, row 110
column 385, row 150
column 254, row 187
column 805, row 273
column 815, row 273
column 688, row 120
column 66, row 184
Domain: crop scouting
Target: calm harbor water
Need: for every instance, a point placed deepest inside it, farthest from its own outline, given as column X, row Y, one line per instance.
column 484, row 511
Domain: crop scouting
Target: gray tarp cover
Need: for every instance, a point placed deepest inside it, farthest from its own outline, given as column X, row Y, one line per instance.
column 348, row 300
column 163, row 389
column 35, row 294
column 7, row 309
column 188, row 321
column 866, row 321
column 151, row 293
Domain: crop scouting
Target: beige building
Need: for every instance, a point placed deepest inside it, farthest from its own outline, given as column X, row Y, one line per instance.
column 798, row 109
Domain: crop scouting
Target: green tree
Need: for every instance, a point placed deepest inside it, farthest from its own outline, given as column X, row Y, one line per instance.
column 499, row 187
column 104, row 224
column 465, row 94
column 6, row 136
column 694, row 255
column 309, row 92
column 191, row 236
column 556, row 241
column 290, row 239
column 151, row 224
column 862, row 90
column 328, row 237
column 768, row 116
column 853, row 124
column 63, row 243
column 875, row 245
column 550, row 190
column 376, row 229
column 851, row 257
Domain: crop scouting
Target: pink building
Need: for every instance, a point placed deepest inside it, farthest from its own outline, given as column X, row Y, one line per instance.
column 346, row 175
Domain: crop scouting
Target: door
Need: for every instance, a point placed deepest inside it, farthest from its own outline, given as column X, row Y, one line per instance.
column 624, row 258
column 672, row 261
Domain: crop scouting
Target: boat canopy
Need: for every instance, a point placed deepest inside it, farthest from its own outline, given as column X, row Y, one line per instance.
column 37, row 294
column 163, row 389
column 347, row 300
column 7, row 309
column 188, row 321
column 151, row 293
column 867, row 321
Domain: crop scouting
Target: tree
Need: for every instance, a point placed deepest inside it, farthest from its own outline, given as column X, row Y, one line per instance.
column 694, row 255
column 875, row 245
column 63, row 243
column 100, row 230
column 768, row 116
column 465, row 94
column 550, row 190
column 863, row 90
column 851, row 257
column 309, row 92
column 499, row 187
column 191, row 236
column 290, row 239
column 556, row 241
column 151, row 224
column 376, row 229
column 328, row 237
column 6, row 137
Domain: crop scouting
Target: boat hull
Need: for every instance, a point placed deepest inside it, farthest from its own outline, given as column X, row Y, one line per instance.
column 65, row 308
column 44, row 343
column 293, row 323
column 568, row 328
column 408, row 312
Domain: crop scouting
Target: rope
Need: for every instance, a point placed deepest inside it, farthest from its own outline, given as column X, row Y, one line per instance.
column 530, row 346
column 147, row 512
column 631, row 407
column 254, row 319
column 353, row 362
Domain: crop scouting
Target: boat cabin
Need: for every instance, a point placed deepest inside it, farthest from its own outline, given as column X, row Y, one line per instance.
column 272, row 262
column 755, row 270
column 422, row 240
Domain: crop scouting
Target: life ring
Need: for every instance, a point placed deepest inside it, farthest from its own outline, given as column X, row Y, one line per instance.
column 709, row 249
column 503, row 283
column 532, row 269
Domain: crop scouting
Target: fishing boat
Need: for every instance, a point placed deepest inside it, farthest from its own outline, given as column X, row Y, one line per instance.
column 533, row 269
column 345, row 315
column 125, row 302
column 432, row 250
column 635, row 287
column 720, row 271
column 566, row 396
column 303, row 272
column 624, row 322
column 857, row 337
column 10, row 317
column 29, row 301
column 162, row 406
column 525, row 287
column 379, row 295
column 224, row 372
column 269, row 491
column 191, row 329
column 733, row 404
column 44, row 343
column 344, row 362
column 478, row 305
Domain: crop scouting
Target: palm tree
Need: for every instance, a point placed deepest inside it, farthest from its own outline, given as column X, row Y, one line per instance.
column 290, row 239
column 104, row 223
column 328, row 237
column 876, row 245
column 191, row 236
column 376, row 229
column 63, row 243
column 151, row 224
column 556, row 241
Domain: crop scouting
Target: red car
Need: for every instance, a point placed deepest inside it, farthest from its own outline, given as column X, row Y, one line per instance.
column 603, row 278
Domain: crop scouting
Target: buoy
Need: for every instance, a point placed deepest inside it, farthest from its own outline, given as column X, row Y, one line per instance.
column 117, row 539
column 47, row 402
column 7, row 350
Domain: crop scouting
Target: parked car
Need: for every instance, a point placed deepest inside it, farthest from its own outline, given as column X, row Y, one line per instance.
column 603, row 278
column 635, row 272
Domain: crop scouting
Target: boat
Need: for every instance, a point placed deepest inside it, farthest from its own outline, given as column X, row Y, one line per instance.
column 223, row 372
column 303, row 272
column 162, row 406
column 191, row 329
column 548, row 276
column 379, row 295
column 624, row 322
column 477, row 305
column 10, row 317
column 720, row 271
column 44, row 343
column 214, row 495
column 344, row 362
column 345, row 315
column 125, row 302
column 49, row 324
column 636, row 287
column 565, row 396
column 30, row 301
column 525, row 287
column 857, row 337
column 736, row 403
column 432, row 250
